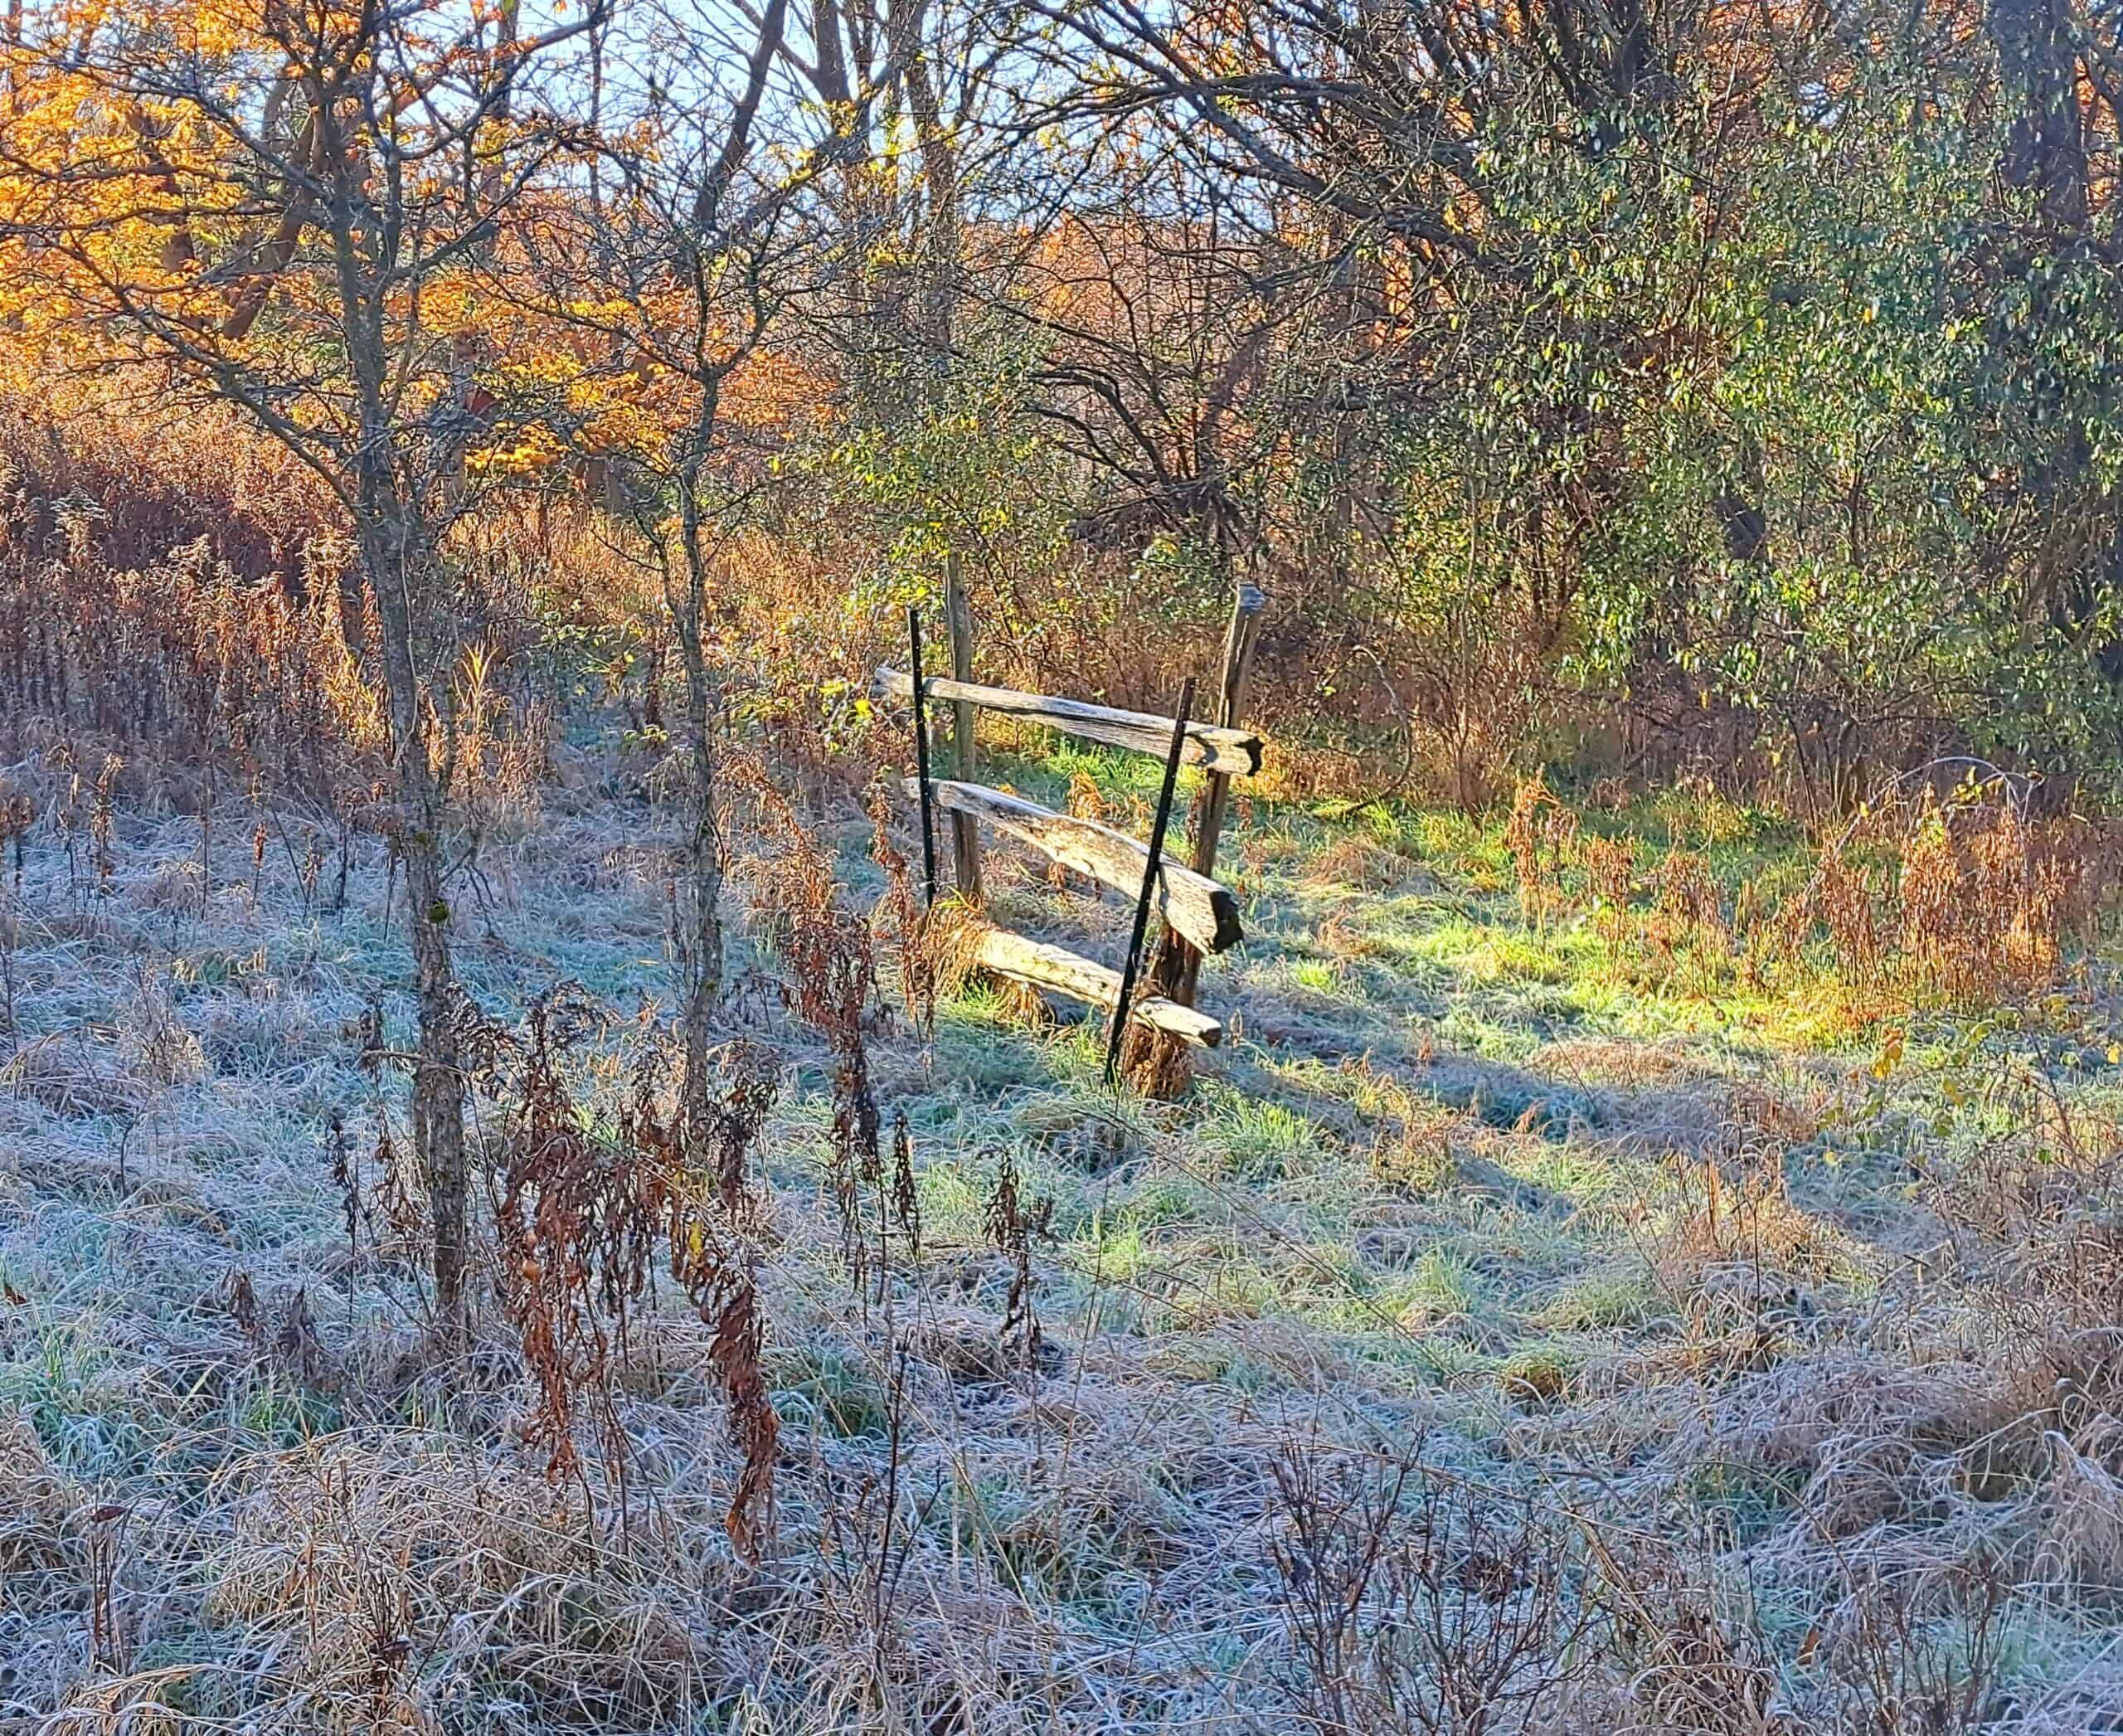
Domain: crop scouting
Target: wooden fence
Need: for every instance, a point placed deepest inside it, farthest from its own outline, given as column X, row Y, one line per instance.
column 1199, row 916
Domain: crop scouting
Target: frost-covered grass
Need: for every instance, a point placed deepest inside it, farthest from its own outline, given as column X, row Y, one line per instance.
column 1765, row 1323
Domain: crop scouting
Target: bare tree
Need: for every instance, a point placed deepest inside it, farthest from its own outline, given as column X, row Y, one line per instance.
column 310, row 188
column 703, row 227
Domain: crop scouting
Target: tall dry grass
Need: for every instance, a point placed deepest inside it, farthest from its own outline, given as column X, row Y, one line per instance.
column 794, row 1427
column 1973, row 900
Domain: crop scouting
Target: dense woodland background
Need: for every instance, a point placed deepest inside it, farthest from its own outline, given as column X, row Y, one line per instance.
column 1705, row 386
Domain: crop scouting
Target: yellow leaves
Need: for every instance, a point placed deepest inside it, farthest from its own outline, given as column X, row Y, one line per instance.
column 606, row 311
column 530, row 451
column 164, row 229
column 215, row 32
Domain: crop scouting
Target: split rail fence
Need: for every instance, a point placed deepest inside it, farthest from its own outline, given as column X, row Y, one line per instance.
column 1200, row 916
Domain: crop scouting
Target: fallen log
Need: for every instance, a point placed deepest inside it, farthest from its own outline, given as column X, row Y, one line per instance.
column 1056, row 968
column 1192, row 904
column 1234, row 752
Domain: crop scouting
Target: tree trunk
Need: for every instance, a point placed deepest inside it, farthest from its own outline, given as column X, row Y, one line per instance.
column 703, row 942
column 703, row 975
column 394, row 553
column 941, row 242
column 2046, row 151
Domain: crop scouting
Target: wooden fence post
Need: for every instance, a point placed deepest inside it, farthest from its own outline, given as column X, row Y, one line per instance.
column 1180, row 962
column 965, row 834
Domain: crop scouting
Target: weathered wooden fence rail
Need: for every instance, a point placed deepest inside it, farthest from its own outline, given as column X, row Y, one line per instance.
column 1234, row 752
column 1193, row 904
column 1044, row 965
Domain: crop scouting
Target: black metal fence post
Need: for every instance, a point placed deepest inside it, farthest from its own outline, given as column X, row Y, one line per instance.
column 921, row 758
column 1149, row 878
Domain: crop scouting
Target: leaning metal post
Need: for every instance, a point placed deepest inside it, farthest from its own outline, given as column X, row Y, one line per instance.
column 1149, row 879
column 921, row 758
